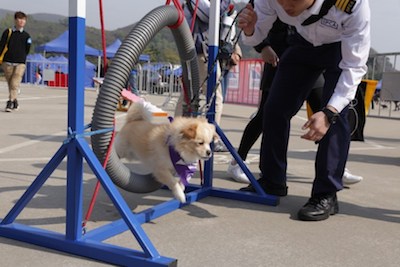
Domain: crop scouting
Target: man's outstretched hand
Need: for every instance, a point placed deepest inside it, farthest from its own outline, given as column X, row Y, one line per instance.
column 247, row 20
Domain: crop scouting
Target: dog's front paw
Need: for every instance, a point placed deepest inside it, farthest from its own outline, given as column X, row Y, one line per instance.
column 182, row 186
column 178, row 193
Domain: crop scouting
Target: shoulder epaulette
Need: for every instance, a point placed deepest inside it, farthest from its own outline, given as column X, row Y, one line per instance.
column 345, row 5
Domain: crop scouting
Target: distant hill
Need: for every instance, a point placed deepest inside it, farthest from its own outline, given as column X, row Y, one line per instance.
column 5, row 12
column 46, row 27
column 48, row 17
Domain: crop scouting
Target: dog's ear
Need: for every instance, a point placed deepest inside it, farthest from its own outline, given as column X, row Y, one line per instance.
column 215, row 137
column 189, row 132
column 214, row 131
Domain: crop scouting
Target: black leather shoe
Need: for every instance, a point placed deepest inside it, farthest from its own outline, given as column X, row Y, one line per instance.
column 269, row 189
column 319, row 208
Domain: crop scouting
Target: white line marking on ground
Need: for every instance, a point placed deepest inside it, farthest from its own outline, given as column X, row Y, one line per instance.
column 32, row 142
column 373, row 144
column 36, row 98
column 351, row 149
column 40, row 139
column 24, row 159
column 372, row 148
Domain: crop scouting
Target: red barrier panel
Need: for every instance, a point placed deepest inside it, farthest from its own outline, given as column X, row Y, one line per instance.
column 243, row 82
column 61, row 80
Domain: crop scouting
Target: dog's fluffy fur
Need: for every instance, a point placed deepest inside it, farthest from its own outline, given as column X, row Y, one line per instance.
column 142, row 140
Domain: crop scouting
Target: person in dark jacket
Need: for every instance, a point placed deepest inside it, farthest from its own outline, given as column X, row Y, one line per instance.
column 271, row 48
column 18, row 43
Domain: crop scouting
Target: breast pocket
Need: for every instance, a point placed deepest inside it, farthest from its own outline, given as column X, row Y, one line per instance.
column 329, row 30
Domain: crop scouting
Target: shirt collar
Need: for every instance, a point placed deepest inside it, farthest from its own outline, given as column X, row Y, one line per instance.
column 14, row 29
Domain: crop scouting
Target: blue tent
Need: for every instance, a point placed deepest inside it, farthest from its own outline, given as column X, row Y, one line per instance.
column 60, row 45
column 59, row 63
column 35, row 63
column 153, row 67
column 144, row 57
column 36, row 57
column 113, row 48
column 177, row 71
column 90, row 72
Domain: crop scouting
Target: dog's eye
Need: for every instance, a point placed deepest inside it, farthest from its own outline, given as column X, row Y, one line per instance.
column 200, row 143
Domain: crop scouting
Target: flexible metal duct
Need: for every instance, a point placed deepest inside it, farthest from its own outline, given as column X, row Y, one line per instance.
column 116, row 78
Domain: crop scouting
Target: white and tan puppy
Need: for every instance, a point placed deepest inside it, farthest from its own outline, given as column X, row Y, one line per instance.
column 149, row 143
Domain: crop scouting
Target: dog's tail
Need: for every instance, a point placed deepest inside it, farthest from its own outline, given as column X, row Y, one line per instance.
column 137, row 112
column 143, row 110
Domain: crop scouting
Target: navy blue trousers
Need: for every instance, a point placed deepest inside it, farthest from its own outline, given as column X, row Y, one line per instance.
column 298, row 70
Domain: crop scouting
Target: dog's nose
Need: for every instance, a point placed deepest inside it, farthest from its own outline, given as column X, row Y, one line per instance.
column 208, row 152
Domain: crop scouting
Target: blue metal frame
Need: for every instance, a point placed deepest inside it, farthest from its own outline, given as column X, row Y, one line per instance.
column 75, row 148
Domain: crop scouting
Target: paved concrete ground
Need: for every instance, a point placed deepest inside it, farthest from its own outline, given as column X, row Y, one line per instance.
column 212, row 232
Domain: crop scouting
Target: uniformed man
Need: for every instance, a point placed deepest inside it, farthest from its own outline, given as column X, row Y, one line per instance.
column 333, row 38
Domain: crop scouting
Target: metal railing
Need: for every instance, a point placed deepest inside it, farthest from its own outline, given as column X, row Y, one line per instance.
column 378, row 65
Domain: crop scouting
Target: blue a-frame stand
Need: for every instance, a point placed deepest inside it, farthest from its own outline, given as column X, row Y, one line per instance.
column 75, row 148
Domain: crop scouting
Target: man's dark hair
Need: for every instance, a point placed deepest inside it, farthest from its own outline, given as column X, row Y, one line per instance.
column 19, row 15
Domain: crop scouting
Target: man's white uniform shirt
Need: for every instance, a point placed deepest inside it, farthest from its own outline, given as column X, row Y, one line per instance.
column 352, row 30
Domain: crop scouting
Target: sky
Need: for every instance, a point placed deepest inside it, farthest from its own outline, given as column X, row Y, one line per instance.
column 385, row 16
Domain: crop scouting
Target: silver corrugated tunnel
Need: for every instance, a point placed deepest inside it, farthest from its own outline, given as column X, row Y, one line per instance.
column 116, row 78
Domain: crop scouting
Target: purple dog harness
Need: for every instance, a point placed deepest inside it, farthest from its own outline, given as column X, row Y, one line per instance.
column 183, row 169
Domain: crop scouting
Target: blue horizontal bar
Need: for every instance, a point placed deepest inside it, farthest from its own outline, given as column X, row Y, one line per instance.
column 239, row 195
column 119, row 226
column 95, row 250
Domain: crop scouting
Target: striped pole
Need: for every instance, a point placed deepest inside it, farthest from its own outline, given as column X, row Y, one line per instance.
column 76, row 70
column 213, row 42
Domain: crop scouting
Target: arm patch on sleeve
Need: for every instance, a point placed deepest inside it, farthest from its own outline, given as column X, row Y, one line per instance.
column 345, row 5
